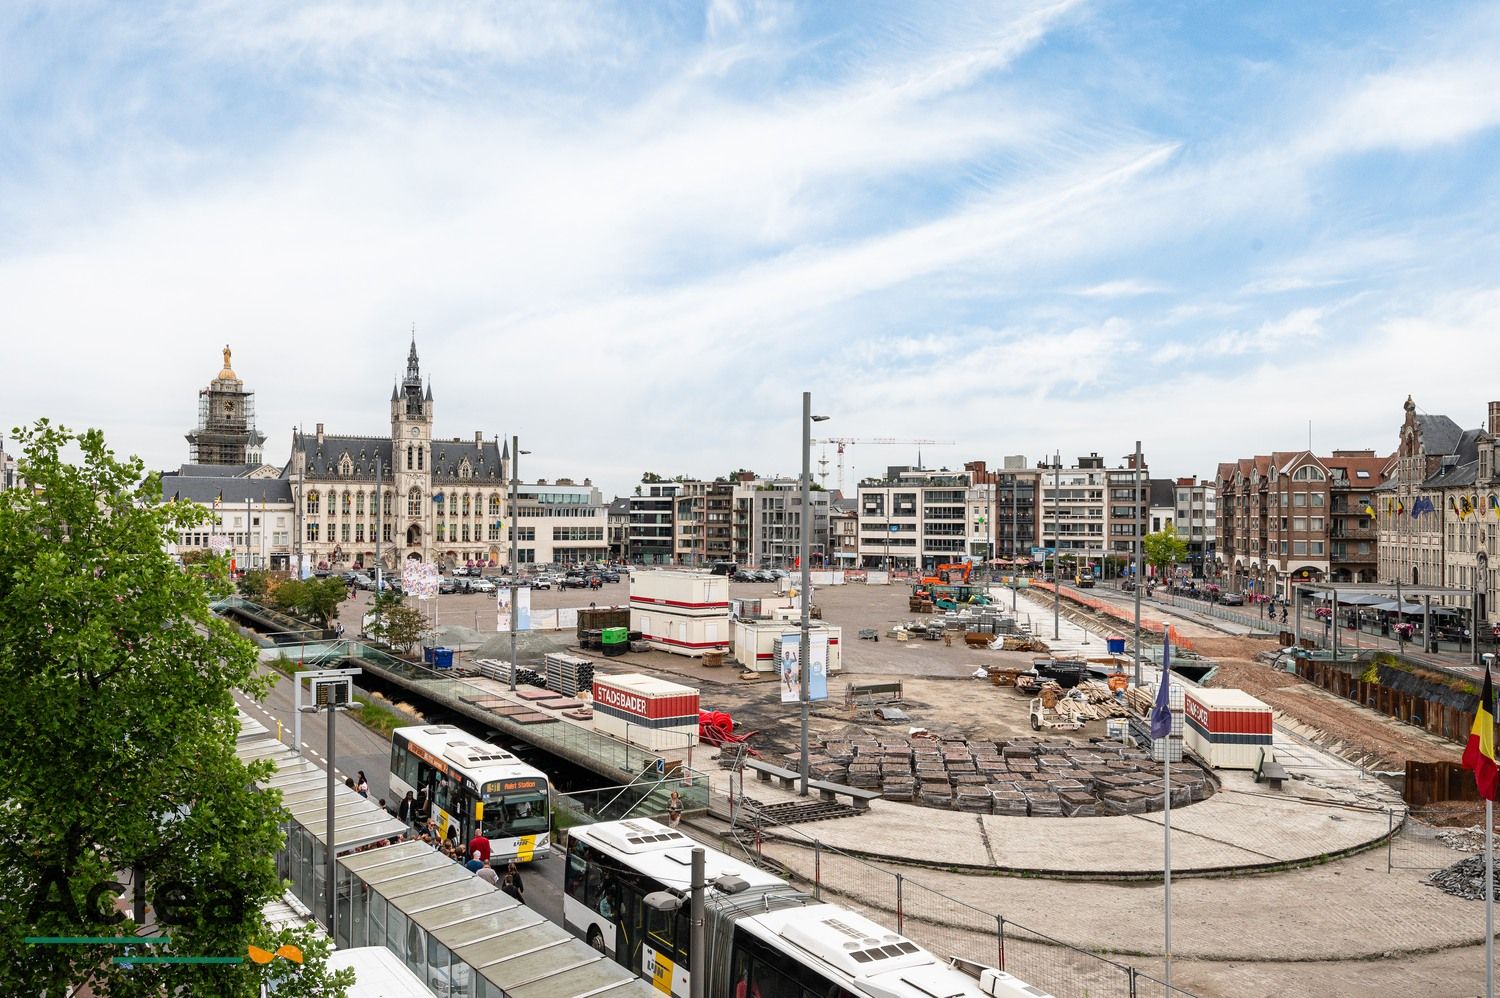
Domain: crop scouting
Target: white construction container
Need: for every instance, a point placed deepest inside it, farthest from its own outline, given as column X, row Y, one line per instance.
column 647, row 712
column 686, row 613
column 757, row 643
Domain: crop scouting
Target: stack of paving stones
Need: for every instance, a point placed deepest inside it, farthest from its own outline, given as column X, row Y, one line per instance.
column 1028, row 776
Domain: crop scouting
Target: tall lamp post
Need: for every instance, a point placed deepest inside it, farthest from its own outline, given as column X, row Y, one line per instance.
column 804, row 551
column 1056, row 545
column 670, row 900
column 515, row 565
column 333, row 691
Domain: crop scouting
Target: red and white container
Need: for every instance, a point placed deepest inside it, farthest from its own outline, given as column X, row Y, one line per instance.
column 757, row 643
column 1228, row 728
column 650, row 713
column 686, row 613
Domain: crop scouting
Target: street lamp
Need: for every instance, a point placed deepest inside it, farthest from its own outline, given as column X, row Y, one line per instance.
column 671, row 901
column 515, row 565
column 1056, row 546
column 805, row 555
column 333, row 691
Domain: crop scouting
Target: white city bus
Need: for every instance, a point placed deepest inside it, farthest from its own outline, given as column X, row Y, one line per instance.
column 764, row 940
column 473, row 786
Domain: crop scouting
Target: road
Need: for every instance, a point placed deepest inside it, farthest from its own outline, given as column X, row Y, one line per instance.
column 357, row 748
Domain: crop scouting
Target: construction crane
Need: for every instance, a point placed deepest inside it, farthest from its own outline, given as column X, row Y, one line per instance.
column 842, row 442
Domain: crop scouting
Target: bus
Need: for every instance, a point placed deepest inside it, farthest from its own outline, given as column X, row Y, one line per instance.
column 474, row 787
column 765, row 940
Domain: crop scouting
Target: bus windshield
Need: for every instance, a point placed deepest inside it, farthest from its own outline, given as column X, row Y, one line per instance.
column 515, row 814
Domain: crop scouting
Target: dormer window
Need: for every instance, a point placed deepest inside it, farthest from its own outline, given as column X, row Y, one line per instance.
column 346, row 465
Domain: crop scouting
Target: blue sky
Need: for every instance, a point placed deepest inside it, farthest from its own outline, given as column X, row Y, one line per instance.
column 635, row 233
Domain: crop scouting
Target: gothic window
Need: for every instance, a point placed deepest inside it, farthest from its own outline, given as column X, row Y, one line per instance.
column 313, row 502
column 465, row 471
column 414, row 502
column 312, row 531
column 359, row 533
column 346, row 466
column 408, row 457
column 441, row 531
column 494, row 531
column 348, row 503
column 466, row 532
column 344, row 532
column 386, row 502
column 388, row 532
column 494, row 504
column 419, row 458
column 466, row 506
column 359, row 503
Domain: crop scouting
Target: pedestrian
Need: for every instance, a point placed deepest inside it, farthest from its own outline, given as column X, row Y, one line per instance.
column 509, row 886
column 474, row 863
column 362, row 785
column 674, row 809
column 514, row 873
column 488, row 875
column 382, row 805
column 349, row 782
column 422, row 808
column 481, row 845
column 408, row 804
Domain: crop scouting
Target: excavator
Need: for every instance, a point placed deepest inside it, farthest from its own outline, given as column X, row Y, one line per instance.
column 951, row 574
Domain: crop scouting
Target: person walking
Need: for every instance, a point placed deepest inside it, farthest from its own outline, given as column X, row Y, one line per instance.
column 362, row 785
column 488, row 875
column 674, row 809
column 513, row 872
column 481, row 845
column 509, row 887
column 408, row 804
column 474, row 864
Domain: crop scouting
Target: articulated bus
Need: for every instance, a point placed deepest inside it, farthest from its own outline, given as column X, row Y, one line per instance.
column 766, row 940
column 473, row 786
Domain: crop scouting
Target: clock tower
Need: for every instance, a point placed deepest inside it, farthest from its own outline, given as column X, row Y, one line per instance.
column 226, row 432
column 411, row 459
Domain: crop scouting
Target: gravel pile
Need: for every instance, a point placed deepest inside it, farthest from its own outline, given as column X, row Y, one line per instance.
column 1463, row 839
column 1464, row 879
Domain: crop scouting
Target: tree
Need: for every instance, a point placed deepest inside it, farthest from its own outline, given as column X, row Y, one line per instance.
column 117, row 727
column 1164, row 549
column 255, row 585
column 651, row 478
column 290, row 595
column 321, row 599
column 401, row 626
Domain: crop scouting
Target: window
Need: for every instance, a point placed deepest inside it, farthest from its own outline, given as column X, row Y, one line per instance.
column 1299, row 499
column 414, row 502
column 1315, row 522
column 348, row 503
column 408, row 457
column 1299, row 523
column 359, row 503
column 359, row 532
column 386, row 501
column 466, row 532
column 312, row 531
column 1315, row 499
column 1299, row 547
column 1308, row 473
column 421, row 455
column 494, row 504
column 314, row 502
column 387, row 532
column 1315, row 547
column 442, row 531
column 494, row 533
column 344, row 531
column 466, row 505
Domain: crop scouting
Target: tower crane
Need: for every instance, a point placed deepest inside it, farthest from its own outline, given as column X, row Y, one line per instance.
column 842, row 442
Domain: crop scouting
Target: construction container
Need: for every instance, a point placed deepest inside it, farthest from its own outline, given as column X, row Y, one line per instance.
column 649, row 713
column 597, row 618
column 757, row 643
column 686, row 613
column 1228, row 728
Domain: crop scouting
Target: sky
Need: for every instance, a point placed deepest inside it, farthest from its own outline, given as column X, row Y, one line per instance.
column 635, row 233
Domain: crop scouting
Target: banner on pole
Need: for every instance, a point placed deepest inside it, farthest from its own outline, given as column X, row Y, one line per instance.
column 791, row 675
column 523, row 608
column 502, row 609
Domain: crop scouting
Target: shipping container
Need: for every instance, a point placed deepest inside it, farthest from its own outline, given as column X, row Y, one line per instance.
column 686, row 613
column 1228, row 728
column 757, row 643
column 647, row 712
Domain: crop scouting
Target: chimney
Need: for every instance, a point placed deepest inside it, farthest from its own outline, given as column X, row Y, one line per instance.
column 320, row 434
column 478, row 438
column 1495, row 417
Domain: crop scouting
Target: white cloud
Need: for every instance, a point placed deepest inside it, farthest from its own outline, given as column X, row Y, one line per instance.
column 1125, row 288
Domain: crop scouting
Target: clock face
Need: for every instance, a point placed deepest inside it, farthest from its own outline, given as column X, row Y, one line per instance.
column 414, row 431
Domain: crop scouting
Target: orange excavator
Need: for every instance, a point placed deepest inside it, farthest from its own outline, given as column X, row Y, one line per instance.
column 953, row 574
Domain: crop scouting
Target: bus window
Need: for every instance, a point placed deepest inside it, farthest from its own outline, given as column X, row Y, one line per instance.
column 515, row 814
column 577, row 872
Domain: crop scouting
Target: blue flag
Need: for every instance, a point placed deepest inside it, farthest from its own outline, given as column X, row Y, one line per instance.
column 1161, row 710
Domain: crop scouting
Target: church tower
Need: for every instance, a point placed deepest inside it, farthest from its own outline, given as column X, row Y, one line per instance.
column 411, row 460
column 226, row 432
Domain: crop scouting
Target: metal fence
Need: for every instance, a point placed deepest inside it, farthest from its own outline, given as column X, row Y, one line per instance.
column 1257, row 621
column 943, row 924
column 1416, row 843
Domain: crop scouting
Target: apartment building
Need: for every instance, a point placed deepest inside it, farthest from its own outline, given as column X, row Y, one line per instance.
column 843, row 533
column 1090, row 512
column 1437, row 513
column 649, row 534
column 703, row 524
column 767, row 521
column 617, row 525
column 916, row 518
column 560, row 523
column 1280, row 514
column 1009, row 498
column 1195, row 518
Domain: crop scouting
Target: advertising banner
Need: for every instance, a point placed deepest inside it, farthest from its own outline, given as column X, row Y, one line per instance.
column 502, row 608
column 419, row 579
column 523, row 608
column 791, row 677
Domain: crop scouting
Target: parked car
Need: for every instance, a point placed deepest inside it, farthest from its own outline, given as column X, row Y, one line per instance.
column 447, row 585
column 540, row 582
column 742, row 576
column 609, row 576
column 481, row 586
column 573, row 582
column 765, row 575
column 1232, row 599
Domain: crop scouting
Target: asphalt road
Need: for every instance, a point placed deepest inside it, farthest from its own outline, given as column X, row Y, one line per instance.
column 357, row 748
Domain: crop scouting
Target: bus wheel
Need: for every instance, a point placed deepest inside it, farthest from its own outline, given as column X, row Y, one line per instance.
column 596, row 938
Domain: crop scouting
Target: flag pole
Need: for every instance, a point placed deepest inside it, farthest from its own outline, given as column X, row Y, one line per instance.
column 1166, row 673
column 1489, row 899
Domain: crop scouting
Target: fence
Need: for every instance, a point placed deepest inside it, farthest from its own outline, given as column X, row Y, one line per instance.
column 944, row 925
column 1417, row 843
column 1258, row 622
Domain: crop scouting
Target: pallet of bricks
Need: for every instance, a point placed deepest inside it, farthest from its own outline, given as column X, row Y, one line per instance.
column 1053, row 778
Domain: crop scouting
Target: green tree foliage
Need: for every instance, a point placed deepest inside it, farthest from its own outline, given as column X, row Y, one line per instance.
column 255, row 585
column 1164, row 549
column 650, row 477
column 316, row 600
column 117, row 731
column 402, row 626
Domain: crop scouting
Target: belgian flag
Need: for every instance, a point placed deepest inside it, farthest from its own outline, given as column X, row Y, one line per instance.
column 1479, row 754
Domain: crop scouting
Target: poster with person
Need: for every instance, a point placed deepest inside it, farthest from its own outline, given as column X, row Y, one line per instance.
column 791, row 679
column 791, row 676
